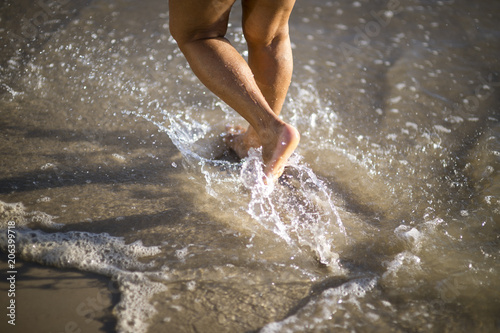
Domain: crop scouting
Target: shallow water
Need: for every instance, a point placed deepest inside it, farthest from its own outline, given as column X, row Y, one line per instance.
column 386, row 220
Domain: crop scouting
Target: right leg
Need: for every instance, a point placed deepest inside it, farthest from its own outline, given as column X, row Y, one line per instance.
column 265, row 26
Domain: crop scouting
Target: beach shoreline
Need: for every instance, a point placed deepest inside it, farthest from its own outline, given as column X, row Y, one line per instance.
column 386, row 219
column 49, row 299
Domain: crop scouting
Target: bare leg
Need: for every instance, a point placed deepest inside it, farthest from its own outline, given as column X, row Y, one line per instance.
column 265, row 26
column 199, row 27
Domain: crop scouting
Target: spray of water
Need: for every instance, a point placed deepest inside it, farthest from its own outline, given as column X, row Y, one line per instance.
column 299, row 208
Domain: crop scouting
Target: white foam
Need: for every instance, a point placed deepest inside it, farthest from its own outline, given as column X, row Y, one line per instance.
column 182, row 253
column 135, row 309
column 401, row 262
column 17, row 213
column 315, row 315
column 409, row 234
column 97, row 253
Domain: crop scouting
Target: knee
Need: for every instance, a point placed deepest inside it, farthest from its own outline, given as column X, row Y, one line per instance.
column 258, row 36
column 174, row 32
column 184, row 34
column 180, row 34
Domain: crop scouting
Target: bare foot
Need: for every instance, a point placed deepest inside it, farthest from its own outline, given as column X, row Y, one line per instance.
column 241, row 140
column 277, row 150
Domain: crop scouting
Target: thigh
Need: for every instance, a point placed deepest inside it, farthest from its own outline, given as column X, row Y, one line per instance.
column 197, row 19
column 266, row 19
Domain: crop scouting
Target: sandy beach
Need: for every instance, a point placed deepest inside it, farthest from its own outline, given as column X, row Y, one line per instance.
column 54, row 300
column 122, row 210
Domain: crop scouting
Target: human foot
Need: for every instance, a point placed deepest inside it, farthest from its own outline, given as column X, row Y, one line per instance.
column 277, row 150
column 241, row 140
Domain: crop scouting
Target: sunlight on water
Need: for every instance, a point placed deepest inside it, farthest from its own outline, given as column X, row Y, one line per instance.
column 386, row 217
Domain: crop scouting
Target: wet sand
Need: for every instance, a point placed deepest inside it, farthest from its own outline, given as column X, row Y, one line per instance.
column 410, row 171
column 55, row 300
column 66, row 300
column 51, row 299
column 47, row 299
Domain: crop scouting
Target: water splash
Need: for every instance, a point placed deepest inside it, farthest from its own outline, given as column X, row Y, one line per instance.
column 299, row 208
column 333, row 303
